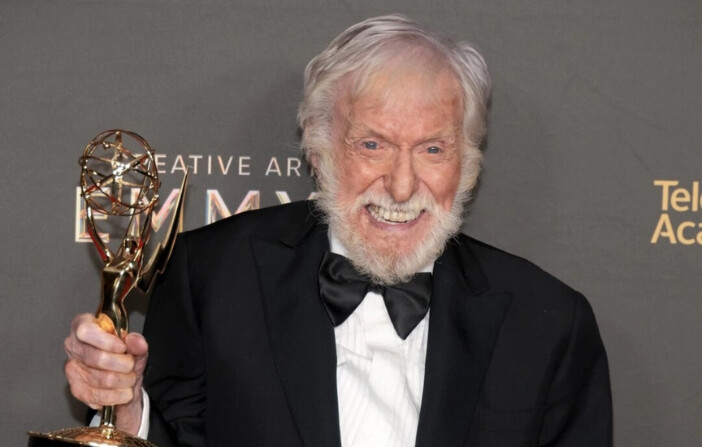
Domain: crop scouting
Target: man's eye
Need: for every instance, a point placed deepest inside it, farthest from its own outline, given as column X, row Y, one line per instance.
column 433, row 149
column 372, row 145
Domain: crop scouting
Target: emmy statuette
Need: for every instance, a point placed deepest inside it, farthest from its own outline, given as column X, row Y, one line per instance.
column 119, row 180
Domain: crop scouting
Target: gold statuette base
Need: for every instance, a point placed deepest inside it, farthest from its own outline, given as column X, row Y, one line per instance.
column 86, row 436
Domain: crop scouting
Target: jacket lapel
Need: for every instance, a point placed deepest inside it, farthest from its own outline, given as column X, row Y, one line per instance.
column 464, row 323
column 301, row 334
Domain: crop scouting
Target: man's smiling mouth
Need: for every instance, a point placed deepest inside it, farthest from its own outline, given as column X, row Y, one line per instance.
column 393, row 216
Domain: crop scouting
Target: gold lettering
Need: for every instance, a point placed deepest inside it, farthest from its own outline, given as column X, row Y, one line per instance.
column 666, row 184
column 680, row 195
column 283, row 197
column 664, row 222
column 215, row 207
column 158, row 218
column 681, row 236
column 252, row 201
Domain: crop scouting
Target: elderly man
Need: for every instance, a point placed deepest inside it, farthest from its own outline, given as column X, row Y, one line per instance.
column 364, row 318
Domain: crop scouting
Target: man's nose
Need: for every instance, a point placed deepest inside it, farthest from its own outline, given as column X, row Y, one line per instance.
column 402, row 181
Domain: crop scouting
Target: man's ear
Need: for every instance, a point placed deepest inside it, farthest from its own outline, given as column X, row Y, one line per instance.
column 313, row 160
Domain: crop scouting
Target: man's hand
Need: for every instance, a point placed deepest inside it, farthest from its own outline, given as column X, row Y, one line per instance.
column 103, row 370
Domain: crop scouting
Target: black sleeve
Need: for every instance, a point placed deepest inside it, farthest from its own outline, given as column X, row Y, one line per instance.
column 175, row 372
column 579, row 406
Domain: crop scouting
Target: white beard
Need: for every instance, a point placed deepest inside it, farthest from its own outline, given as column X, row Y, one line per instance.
column 391, row 266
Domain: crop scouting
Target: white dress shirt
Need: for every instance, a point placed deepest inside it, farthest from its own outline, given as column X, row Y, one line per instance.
column 380, row 377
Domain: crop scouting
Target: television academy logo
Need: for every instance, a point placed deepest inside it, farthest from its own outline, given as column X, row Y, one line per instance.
column 680, row 221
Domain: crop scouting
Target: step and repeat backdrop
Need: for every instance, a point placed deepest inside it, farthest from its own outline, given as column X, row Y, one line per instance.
column 592, row 163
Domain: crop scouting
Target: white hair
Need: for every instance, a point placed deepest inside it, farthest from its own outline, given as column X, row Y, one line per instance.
column 363, row 49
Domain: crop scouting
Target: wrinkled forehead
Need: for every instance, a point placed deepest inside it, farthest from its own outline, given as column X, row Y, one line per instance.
column 398, row 73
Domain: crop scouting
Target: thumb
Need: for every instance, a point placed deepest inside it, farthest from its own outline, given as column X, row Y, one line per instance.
column 137, row 346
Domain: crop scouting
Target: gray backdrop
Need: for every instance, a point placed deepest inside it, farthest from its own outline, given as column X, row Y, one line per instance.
column 594, row 102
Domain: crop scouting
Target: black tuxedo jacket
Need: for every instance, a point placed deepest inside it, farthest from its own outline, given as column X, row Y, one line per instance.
column 242, row 352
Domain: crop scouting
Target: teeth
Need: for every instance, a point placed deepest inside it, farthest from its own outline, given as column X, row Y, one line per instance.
column 393, row 216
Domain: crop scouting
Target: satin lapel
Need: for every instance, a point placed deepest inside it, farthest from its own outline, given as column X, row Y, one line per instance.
column 464, row 323
column 301, row 334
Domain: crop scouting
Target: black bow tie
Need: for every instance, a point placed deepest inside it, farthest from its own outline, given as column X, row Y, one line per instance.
column 342, row 289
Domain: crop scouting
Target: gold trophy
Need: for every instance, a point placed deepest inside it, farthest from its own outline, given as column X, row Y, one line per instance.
column 122, row 184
